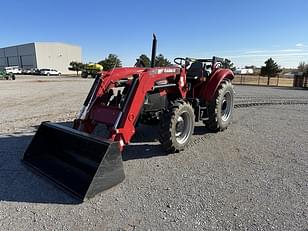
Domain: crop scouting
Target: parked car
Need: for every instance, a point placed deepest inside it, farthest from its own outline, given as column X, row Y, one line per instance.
column 26, row 71
column 35, row 71
column 13, row 70
column 49, row 72
column 244, row 71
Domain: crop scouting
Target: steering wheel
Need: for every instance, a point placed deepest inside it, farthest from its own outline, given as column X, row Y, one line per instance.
column 183, row 62
column 179, row 61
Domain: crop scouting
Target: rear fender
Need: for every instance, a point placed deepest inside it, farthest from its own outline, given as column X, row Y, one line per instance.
column 215, row 80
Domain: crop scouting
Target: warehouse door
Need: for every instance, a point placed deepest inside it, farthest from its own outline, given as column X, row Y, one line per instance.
column 3, row 62
column 13, row 61
column 27, row 61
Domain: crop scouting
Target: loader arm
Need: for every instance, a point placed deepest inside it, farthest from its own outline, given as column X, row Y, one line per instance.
column 144, row 84
column 121, row 121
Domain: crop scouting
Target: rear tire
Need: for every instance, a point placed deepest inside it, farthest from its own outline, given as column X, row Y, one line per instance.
column 84, row 74
column 221, row 108
column 177, row 125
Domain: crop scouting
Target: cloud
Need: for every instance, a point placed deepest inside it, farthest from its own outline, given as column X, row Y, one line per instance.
column 290, row 50
column 269, row 55
column 256, row 52
column 284, row 56
column 253, row 52
column 283, row 59
column 299, row 45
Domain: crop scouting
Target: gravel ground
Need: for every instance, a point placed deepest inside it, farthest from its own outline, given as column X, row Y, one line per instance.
column 253, row 176
column 28, row 100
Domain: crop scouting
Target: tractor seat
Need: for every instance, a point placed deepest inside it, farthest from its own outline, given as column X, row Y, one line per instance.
column 195, row 71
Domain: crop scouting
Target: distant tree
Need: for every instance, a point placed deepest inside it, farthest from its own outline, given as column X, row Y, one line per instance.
column 143, row 60
column 161, row 61
column 306, row 70
column 228, row 64
column 76, row 66
column 271, row 69
column 110, row 62
column 302, row 67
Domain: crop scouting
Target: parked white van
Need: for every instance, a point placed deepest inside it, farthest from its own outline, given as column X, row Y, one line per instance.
column 49, row 72
column 13, row 70
column 244, row 71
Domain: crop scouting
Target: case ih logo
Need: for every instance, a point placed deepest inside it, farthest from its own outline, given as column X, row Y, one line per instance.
column 166, row 70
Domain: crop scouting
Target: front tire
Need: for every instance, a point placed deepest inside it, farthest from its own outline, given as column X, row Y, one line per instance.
column 84, row 74
column 221, row 108
column 177, row 125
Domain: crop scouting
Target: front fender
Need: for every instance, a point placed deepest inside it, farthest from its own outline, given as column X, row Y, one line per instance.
column 215, row 80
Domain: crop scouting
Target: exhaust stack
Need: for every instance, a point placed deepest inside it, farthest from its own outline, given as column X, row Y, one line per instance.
column 154, row 46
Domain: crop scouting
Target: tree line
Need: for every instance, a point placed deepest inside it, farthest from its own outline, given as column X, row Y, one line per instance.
column 113, row 61
column 270, row 69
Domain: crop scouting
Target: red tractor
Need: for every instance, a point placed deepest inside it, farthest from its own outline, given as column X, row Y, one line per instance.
column 86, row 162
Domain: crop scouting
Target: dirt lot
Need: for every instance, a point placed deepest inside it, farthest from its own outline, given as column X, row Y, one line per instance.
column 253, row 176
column 28, row 100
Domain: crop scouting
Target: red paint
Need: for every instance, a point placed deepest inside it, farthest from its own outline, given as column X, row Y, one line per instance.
column 209, row 89
column 146, row 78
column 104, row 114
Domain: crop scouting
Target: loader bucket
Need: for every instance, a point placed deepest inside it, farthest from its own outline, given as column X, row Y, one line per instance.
column 76, row 161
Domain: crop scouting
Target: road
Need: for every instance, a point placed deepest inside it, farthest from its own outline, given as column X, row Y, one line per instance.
column 253, row 176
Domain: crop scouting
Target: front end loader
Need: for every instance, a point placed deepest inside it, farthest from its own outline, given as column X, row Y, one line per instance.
column 85, row 161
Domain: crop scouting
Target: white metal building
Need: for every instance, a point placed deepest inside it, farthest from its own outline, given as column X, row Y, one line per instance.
column 40, row 55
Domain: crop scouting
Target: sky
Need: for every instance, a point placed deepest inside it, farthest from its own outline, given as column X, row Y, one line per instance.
column 245, row 31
